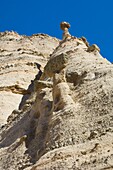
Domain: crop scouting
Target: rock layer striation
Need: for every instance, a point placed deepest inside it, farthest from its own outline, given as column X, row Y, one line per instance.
column 66, row 121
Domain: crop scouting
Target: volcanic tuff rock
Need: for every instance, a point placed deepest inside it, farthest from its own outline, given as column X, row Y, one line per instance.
column 66, row 119
column 19, row 60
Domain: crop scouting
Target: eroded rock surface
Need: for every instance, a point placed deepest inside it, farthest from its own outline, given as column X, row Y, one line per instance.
column 67, row 120
column 19, row 59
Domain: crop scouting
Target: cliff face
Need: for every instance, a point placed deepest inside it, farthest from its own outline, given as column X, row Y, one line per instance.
column 64, row 117
column 19, row 58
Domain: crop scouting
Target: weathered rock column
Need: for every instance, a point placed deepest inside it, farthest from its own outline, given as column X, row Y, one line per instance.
column 82, row 108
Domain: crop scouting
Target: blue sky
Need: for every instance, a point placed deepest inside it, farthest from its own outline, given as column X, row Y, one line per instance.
column 92, row 19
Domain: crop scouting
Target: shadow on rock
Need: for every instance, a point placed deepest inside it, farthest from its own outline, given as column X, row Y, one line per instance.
column 30, row 87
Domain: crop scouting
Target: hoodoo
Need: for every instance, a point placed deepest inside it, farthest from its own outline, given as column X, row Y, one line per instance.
column 64, row 121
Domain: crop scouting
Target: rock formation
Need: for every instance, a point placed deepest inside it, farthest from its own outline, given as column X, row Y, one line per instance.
column 19, row 60
column 65, row 26
column 57, row 98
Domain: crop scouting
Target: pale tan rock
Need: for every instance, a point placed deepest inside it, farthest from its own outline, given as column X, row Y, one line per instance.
column 66, row 122
column 85, row 41
column 80, row 116
column 65, row 26
column 93, row 47
column 18, row 57
column 56, row 64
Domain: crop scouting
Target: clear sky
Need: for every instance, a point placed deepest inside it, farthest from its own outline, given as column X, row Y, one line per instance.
column 90, row 18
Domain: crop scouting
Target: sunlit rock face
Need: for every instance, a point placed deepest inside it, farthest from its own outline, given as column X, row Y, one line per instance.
column 19, row 56
column 63, row 119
